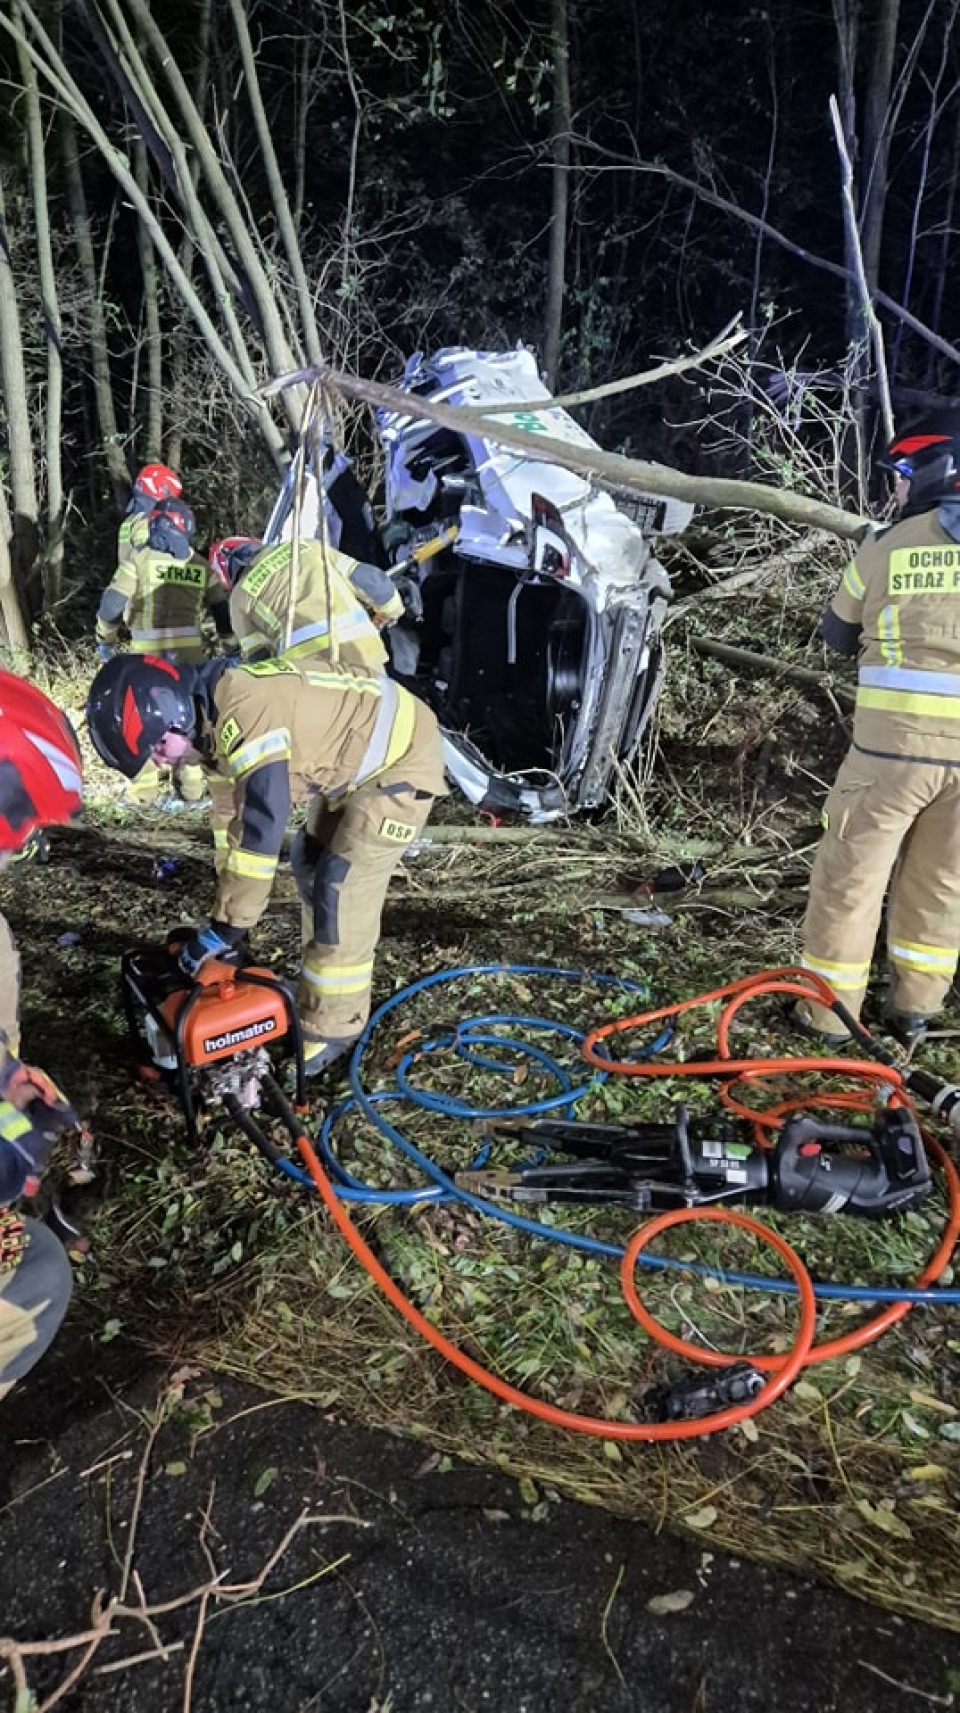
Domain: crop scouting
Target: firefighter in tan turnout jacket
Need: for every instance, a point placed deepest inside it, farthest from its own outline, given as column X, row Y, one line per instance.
column 160, row 593
column 151, row 484
column 355, row 743
column 339, row 605
column 894, row 810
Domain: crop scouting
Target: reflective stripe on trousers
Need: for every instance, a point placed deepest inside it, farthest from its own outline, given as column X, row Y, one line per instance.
column 890, row 823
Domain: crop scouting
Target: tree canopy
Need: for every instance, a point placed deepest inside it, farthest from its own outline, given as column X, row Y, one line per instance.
column 196, row 199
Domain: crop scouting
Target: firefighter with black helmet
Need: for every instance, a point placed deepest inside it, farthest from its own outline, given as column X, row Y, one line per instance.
column 892, row 818
column 161, row 596
column 40, row 784
column 280, row 734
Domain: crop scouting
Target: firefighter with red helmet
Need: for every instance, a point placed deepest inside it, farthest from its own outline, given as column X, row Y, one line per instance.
column 278, row 735
column 892, row 818
column 152, row 484
column 161, row 596
column 40, row 784
column 329, row 607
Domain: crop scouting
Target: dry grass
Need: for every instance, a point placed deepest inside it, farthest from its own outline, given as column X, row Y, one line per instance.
column 855, row 1474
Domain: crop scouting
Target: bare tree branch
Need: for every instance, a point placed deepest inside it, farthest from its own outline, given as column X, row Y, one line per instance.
column 606, row 468
column 621, row 163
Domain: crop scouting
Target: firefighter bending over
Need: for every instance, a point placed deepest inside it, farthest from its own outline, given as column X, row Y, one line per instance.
column 895, row 806
column 40, row 784
column 339, row 604
column 362, row 753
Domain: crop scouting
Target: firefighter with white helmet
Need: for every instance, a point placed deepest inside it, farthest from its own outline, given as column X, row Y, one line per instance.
column 40, row 785
column 892, row 819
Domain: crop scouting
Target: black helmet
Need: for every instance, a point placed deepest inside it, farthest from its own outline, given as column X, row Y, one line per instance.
column 240, row 557
column 928, row 455
column 134, row 700
column 172, row 526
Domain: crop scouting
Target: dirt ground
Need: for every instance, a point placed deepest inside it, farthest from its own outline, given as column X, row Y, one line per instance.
column 410, row 1583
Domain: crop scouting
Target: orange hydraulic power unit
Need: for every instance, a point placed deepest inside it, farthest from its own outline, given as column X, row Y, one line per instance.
column 212, row 1036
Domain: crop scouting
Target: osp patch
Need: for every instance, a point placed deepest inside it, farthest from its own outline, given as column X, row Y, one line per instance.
column 398, row 832
column 230, row 735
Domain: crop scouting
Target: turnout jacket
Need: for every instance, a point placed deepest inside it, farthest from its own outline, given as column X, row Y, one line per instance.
column 898, row 607
column 333, row 601
column 134, row 533
column 162, row 602
column 279, row 734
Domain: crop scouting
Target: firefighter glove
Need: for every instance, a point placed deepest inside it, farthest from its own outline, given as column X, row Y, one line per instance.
column 216, row 940
column 33, row 1113
column 104, row 651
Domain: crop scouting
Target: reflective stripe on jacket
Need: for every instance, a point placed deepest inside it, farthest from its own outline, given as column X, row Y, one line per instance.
column 166, row 600
column 331, row 615
column 134, row 533
column 281, row 734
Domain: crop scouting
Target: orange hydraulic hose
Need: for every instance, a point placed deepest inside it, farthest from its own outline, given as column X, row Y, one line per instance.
column 802, row 984
column 787, row 1367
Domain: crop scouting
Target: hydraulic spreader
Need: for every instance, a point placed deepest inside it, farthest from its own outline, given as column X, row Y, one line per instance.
column 812, row 1167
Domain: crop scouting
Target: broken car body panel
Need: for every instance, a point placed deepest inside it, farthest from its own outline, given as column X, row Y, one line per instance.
column 539, row 647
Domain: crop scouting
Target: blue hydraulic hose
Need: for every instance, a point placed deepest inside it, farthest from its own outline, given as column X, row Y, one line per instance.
column 442, row 1187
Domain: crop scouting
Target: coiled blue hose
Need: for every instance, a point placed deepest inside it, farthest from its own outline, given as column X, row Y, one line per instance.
column 440, row 1187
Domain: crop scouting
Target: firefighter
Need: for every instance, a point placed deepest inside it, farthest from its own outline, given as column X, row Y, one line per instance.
column 362, row 753
column 161, row 595
column 893, row 815
column 339, row 604
column 155, row 482
column 40, row 784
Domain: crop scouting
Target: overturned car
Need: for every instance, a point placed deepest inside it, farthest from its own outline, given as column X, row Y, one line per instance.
column 540, row 601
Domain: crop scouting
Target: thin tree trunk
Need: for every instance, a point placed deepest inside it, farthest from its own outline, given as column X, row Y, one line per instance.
column 152, row 445
column 25, row 536
column 99, row 353
column 610, row 469
column 71, row 99
column 219, row 267
column 249, row 258
column 14, row 632
column 50, row 312
column 187, row 253
column 875, row 143
column 560, row 191
column 943, row 272
column 278, row 195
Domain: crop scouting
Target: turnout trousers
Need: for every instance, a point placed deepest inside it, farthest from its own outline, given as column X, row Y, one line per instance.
column 343, row 862
column 9, row 989
column 33, row 1302
column 889, row 821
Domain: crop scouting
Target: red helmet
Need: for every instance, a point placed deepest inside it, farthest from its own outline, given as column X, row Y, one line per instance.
column 40, row 769
column 220, row 551
column 159, row 481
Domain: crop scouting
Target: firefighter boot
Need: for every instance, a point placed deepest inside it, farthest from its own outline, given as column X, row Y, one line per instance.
column 318, row 1056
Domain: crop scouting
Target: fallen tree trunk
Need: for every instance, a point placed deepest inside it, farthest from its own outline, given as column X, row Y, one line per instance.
column 606, row 468
column 768, row 663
